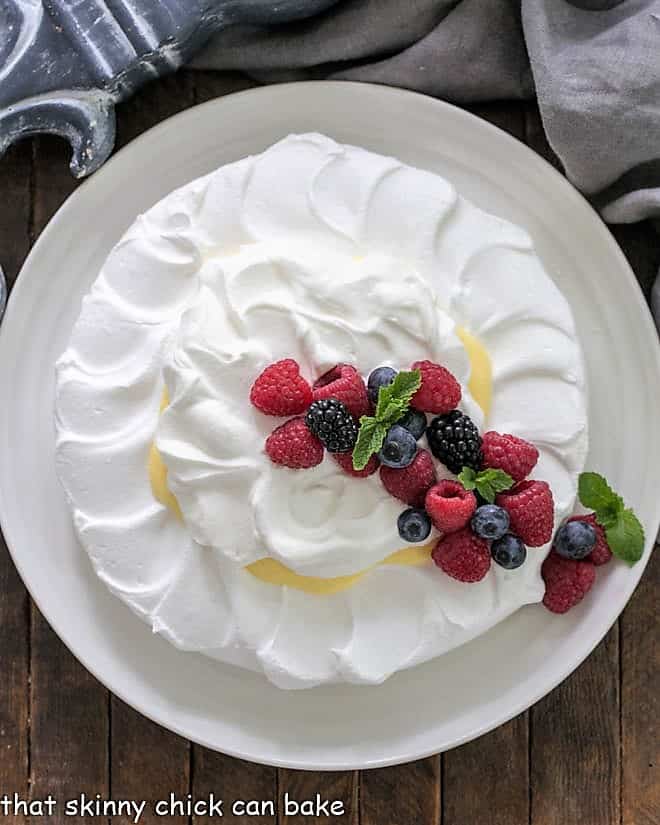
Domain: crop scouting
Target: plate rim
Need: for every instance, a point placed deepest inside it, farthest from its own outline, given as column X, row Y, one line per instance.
column 568, row 191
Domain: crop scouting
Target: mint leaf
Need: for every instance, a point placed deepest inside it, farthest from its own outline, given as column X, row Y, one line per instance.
column 393, row 403
column 626, row 537
column 488, row 483
column 468, row 478
column 624, row 532
column 596, row 494
column 393, row 411
column 497, row 479
column 370, row 439
column 394, row 399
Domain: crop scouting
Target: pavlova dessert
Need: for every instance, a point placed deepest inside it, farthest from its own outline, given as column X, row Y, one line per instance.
column 323, row 418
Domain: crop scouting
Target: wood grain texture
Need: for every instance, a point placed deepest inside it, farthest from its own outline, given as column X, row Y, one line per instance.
column 69, row 733
column 14, row 695
column 234, row 781
column 209, row 85
column 147, row 763
column 401, row 795
column 594, row 743
column 152, row 104
column 640, row 701
column 340, row 786
column 69, row 753
column 488, row 780
column 16, row 213
column 640, row 243
column 575, row 753
column 15, row 222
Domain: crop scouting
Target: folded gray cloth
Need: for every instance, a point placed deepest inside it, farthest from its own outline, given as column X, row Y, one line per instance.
column 594, row 66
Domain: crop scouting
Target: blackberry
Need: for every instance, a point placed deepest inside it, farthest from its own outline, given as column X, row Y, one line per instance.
column 455, row 440
column 330, row 421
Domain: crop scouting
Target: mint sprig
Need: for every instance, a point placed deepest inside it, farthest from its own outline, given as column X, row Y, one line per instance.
column 623, row 530
column 488, row 483
column 393, row 403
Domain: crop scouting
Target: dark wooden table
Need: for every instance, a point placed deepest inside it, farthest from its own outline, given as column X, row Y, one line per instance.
column 588, row 753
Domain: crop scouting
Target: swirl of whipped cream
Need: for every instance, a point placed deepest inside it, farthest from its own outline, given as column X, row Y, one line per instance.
column 321, row 307
column 329, row 254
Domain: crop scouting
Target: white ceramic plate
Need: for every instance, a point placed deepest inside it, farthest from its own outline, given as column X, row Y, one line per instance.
column 429, row 708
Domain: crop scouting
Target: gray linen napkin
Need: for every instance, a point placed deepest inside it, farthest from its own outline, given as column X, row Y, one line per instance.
column 594, row 66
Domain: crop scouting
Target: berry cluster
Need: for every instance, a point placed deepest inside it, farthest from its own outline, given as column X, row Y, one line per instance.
column 326, row 414
column 487, row 520
column 493, row 512
column 580, row 545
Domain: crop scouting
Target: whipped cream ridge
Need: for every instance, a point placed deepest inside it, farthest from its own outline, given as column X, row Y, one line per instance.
column 326, row 254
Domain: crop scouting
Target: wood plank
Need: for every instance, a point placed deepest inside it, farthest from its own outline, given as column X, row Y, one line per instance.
column 209, row 85
column 503, row 752
column 301, row 786
column 147, row 763
column 575, row 744
column 639, row 242
column 69, row 724
column 15, row 182
column 640, row 700
column 152, row 104
column 69, row 731
column 487, row 780
column 233, row 780
column 14, row 691
column 402, row 795
column 576, row 732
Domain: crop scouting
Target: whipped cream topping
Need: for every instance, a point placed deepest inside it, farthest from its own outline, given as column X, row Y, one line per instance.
column 327, row 254
column 321, row 307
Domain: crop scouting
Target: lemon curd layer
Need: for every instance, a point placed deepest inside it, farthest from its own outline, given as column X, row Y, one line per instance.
column 272, row 571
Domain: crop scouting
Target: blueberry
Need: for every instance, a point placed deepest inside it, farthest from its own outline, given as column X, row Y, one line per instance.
column 380, row 377
column 414, row 525
column 414, row 421
column 398, row 449
column 490, row 521
column 509, row 552
column 575, row 540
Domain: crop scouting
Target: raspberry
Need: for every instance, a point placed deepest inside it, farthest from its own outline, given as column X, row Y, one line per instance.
column 345, row 461
column 344, row 383
column 601, row 553
column 450, row 505
column 531, row 511
column 410, row 483
column 293, row 445
column 515, row 456
column 566, row 582
column 281, row 390
column 463, row 556
column 440, row 391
